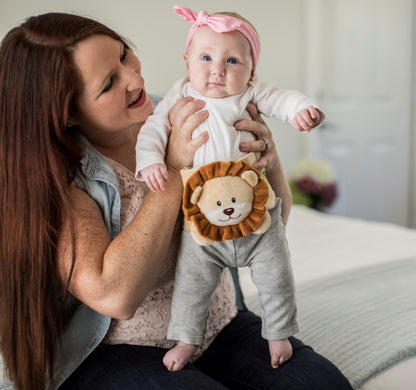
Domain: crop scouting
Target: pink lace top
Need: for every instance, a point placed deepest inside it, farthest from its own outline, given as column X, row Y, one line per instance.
column 150, row 322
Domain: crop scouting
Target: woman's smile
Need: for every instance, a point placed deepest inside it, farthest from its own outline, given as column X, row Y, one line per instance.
column 139, row 100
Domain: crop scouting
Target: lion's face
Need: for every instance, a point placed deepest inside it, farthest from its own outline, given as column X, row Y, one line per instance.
column 226, row 200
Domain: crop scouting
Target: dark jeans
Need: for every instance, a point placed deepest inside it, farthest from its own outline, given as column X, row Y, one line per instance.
column 237, row 359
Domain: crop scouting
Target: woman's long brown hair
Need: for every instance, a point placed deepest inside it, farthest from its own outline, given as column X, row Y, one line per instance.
column 38, row 160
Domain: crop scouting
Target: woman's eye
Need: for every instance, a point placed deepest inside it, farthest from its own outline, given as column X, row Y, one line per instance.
column 124, row 54
column 232, row 60
column 123, row 58
column 108, row 85
column 206, row 57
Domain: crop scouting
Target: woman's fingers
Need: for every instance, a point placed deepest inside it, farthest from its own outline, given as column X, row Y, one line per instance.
column 254, row 113
column 185, row 116
column 175, row 111
column 191, row 123
column 187, row 109
column 199, row 140
column 264, row 143
column 256, row 125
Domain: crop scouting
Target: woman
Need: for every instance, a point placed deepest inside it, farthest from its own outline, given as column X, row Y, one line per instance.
column 78, row 249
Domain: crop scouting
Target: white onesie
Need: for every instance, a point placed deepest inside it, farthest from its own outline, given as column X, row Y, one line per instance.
column 224, row 139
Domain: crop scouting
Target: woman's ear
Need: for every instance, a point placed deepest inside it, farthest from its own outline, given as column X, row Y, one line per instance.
column 72, row 121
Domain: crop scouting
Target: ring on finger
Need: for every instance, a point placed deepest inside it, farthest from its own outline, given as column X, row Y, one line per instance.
column 266, row 144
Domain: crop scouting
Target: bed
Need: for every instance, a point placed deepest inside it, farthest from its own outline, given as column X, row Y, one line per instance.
column 356, row 288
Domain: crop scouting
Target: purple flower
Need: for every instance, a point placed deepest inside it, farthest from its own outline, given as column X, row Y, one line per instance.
column 329, row 193
column 307, row 185
column 313, row 183
column 321, row 195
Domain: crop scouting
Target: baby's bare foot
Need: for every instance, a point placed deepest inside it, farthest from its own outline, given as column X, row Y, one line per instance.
column 178, row 356
column 280, row 351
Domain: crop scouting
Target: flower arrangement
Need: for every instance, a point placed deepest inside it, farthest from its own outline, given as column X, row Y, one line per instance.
column 313, row 183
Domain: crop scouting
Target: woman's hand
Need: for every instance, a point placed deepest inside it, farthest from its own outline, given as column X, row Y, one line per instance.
column 185, row 116
column 264, row 143
column 269, row 157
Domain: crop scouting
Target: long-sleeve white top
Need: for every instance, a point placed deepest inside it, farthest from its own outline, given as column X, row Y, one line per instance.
column 224, row 139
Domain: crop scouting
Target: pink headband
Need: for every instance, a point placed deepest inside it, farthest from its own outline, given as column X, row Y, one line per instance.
column 220, row 23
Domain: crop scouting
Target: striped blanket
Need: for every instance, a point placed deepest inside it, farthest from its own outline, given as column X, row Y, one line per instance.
column 364, row 321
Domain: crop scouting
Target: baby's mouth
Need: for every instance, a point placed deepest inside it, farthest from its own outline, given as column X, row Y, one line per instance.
column 216, row 83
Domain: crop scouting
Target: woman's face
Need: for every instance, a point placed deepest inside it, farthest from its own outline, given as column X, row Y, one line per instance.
column 112, row 96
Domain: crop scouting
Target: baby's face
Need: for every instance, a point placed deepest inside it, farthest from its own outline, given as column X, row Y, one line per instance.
column 219, row 64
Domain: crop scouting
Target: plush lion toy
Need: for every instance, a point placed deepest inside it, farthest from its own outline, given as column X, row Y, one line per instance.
column 226, row 200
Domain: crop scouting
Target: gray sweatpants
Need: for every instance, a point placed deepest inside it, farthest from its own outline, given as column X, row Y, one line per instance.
column 199, row 269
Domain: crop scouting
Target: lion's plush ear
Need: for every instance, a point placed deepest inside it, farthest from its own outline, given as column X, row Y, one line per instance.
column 250, row 177
column 196, row 194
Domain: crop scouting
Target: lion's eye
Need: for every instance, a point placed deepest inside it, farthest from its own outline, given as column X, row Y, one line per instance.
column 219, row 203
column 233, row 200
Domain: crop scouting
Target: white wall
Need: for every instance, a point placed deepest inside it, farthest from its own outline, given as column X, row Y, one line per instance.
column 412, row 178
column 159, row 36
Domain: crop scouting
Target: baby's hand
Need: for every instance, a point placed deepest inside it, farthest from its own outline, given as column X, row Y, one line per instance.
column 307, row 119
column 155, row 176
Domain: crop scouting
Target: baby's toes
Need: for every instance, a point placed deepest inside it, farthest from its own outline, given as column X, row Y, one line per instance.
column 283, row 359
column 276, row 362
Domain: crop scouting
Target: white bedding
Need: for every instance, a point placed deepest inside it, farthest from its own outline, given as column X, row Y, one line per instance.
column 324, row 245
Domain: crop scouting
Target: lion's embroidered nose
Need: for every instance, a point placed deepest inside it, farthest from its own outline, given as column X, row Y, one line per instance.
column 229, row 211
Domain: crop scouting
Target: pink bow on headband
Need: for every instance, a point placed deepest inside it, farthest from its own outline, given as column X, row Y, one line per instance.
column 220, row 23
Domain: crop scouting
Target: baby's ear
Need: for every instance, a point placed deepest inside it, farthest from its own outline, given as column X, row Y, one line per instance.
column 185, row 57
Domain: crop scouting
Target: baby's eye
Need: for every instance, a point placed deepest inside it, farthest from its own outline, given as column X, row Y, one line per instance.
column 218, row 203
column 206, row 57
column 233, row 200
column 232, row 60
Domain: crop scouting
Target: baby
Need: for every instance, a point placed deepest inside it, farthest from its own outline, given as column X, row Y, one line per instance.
column 222, row 52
